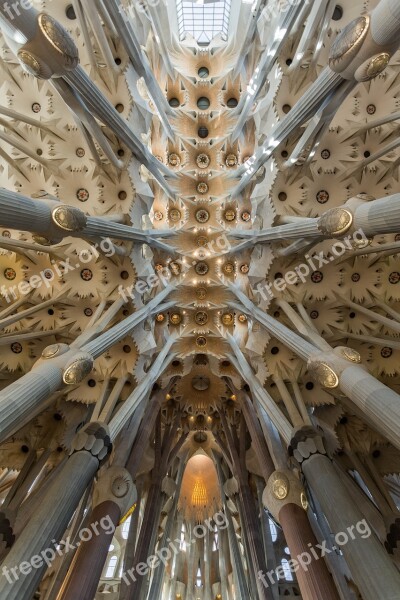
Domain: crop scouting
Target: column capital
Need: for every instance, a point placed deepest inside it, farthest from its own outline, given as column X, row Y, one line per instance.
column 115, row 484
column 326, row 367
column 283, row 487
column 392, row 543
column 7, row 536
column 355, row 54
column 68, row 218
column 305, row 443
column 51, row 52
column 335, row 222
column 95, row 439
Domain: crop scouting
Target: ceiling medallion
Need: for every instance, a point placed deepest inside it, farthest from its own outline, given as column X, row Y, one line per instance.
column 10, row 274
column 174, row 215
column 82, row 195
column 160, row 318
column 322, row 196
column 200, row 383
column 159, row 267
column 201, row 341
column 175, row 268
column 244, row 269
column 202, row 241
column 323, row 374
column 231, row 160
column 201, row 268
column 227, row 319
column 202, row 161
column 386, row 352
column 174, row 159
column 201, row 318
column 351, row 355
column 202, row 187
column 242, row 318
column 158, row 215
column 16, row 347
column 230, row 215
column 175, row 319
column 86, row 274
column 246, row 216
column 202, row 215
column 229, row 268
column 201, row 293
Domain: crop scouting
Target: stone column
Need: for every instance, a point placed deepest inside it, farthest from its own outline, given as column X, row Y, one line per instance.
column 113, row 495
column 338, row 370
column 62, row 365
column 285, row 498
column 50, row 52
column 370, row 566
column 156, row 586
column 24, row 566
column 142, row 66
column 360, row 53
column 241, row 583
column 52, row 221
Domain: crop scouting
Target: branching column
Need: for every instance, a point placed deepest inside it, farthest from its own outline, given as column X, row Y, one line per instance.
column 370, row 566
column 91, row 446
column 285, row 498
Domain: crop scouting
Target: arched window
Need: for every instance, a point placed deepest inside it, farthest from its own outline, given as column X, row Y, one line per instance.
column 274, row 531
column 125, row 528
column 199, row 581
column 287, row 571
column 182, row 545
column 112, row 565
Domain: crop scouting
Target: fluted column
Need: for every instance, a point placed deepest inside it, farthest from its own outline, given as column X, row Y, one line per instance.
column 360, row 216
column 62, row 365
column 46, row 50
column 90, row 447
column 132, row 46
column 378, row 216
column 54, row 221
column 338, row 369
column 156, row 586
column 359, row 53
column 114, row 494
column 370, row 566
column 286, row 499
column 241, row 584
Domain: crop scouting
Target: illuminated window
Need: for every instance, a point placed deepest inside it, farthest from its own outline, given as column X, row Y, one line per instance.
column 274, row 531
column 203, row 19
column 287, row 571
column 182, row 545
column 125, row 528
column 112, row 565
column 199, row 582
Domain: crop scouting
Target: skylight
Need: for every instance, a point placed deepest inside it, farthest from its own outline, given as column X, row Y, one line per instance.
column 203, row 19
